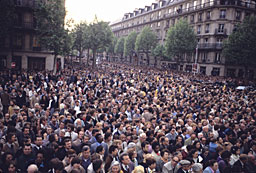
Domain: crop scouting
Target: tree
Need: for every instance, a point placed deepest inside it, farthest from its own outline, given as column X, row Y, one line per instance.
column 50, row 20
column 158, row 51
column 146, row 41
column 100, row 36
column 81, row 42
column 180, row 41
column 129, row 45
column 119, row 47
column 240, row 47
column 111, row 47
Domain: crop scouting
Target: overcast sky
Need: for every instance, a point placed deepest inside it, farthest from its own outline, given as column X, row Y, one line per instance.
column 106, row 10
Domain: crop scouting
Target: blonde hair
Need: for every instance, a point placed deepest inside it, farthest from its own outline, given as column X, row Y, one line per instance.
column 138, row 169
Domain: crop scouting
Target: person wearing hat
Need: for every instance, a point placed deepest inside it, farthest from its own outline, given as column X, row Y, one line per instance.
column 185, row 166
column 197, row 168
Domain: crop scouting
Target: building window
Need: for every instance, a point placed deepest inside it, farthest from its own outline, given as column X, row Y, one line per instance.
column 217, row 58
column 206, row 40
column 198, row 29
column 158, row 24
column 247, row 14
column 170, row 11
column 204, row 57
column 192, row 18
column 207, row 28
column 208, row 15
column 215, row 71
column 195, row 3
column 222, row 14
column 151, row 25
column 200, row 17
column 221, row 28
column 238, row 15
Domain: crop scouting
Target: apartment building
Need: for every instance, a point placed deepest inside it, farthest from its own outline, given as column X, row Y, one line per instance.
column 212, row 20
column 24, row 51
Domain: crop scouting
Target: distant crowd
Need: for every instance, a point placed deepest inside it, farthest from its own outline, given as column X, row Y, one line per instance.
column 122, row 119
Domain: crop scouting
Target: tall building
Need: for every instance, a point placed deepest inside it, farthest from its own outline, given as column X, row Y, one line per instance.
column 212, row 20
column 23, row 51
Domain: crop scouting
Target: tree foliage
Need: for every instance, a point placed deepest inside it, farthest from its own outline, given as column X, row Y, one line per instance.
column 129, row 44
column 50, row 19
column 111, row 47
column 100, row 36
column 180, row 40
column 81, row 38
column 159, row 51
column 146, row 41
column 240, row 47
column 119, row 47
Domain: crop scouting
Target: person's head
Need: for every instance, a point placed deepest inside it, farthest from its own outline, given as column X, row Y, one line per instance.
column 99, row 138
column 32, row 168
column 67, row 144
column 225, row 155
column 164, row 154
column 175, row 161
column 243, row 158
column 75, row 163
column 185, row 164
column 86, row 152
column 57, row 165
column 193, row 153
column 39, row 140
column 145, row 146
column 113, row 150
column 11, row 137
column 100, row 150
column 115, row 167
column 156, row 146
column 97, row 165
column 213, row 164
column 143, row 137
column 39, row 157
column 197, row 168
column 235, row 150
column 12, row 167
column 124, row 158
column 151, row 163
column 27, row 149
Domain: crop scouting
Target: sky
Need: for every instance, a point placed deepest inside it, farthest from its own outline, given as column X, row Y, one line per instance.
column 106, row 10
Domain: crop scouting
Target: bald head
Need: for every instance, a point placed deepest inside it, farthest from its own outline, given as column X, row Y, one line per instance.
column 32, row 168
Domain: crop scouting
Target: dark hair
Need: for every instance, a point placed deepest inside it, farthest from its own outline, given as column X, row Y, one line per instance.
column 122, row 156
column 211, row 162
column 112, row 148
column 99, row 149
column 163, row 151
column 75, row 160
column 143, row 144
column 225, row 154
column 97, row 164
column 85, row 148
column 107, row 135
column 150, row 161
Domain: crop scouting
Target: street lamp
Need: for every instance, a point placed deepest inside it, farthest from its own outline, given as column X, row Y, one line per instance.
column 195, row 69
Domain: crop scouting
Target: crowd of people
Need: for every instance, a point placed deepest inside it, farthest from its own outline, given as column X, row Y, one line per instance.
column 121, row 119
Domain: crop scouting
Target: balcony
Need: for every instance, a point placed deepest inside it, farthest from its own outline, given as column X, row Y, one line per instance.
column 220, row 31
column 215, row 46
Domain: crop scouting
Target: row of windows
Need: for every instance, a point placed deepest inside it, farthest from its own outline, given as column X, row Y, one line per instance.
column 200, row 18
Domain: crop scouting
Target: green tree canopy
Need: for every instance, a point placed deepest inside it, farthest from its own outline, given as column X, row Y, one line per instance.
column 240, row 47
column 100, row 36
column 180, row 40
column 129, row 44
column 81, row 41
column 50, row 19
column 119, row 47
column 146, row 41
column 111, row 47
column 159, row 51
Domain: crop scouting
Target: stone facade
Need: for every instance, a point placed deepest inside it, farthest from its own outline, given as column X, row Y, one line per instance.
column 212, row 20
column 25, row 52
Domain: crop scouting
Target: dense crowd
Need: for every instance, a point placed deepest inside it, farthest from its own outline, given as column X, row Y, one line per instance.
column 122, row 119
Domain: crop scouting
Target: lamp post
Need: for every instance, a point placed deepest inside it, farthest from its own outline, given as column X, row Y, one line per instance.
column 195, row 69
